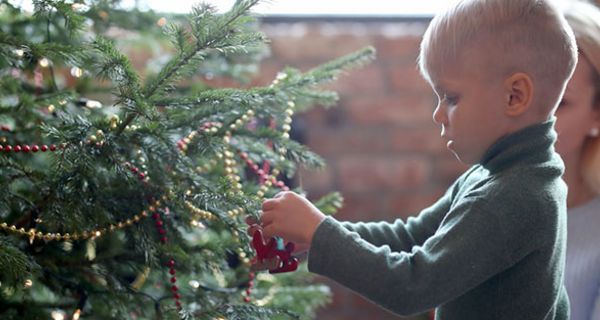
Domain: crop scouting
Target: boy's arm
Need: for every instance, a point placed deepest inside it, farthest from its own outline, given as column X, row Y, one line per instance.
column 401, row 236
column 468, row 248
column 596, row 309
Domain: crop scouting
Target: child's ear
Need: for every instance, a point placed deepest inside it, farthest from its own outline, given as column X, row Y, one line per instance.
column 519, row 90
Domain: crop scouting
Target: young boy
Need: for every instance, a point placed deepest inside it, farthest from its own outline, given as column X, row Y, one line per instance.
column 493, row 247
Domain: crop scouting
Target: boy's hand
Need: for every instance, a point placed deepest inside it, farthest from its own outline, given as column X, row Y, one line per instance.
column 292, row 217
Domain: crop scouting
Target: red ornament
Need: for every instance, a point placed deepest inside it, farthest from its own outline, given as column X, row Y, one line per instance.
column 17, row 148
column 35, row 148
column 26, row 148
column 44, row 148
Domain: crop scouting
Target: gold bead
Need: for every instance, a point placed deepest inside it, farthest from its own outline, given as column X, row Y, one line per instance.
column 291, row 104
column 3, row 225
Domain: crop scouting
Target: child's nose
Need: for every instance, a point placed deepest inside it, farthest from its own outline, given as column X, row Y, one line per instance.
column 439, row 114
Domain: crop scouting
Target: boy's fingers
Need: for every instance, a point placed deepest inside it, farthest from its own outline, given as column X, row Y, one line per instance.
column 250, row 220
column 269, row 204
column 253, row 229
column 267, row 218
column 269, row 231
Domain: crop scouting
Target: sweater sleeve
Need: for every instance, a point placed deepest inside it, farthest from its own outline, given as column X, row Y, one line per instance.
column 468, row 247
column 596, row 308
column 401, row 236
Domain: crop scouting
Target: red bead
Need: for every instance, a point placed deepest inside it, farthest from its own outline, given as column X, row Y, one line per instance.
column 176, row 296
column 163, row 240
column 251, row 275
column 171, row 263
column 17, row 148
column 178, row 304
column 141, row 175
column 7, row 149
column 173, row 279
column 44, row 148
column 4, row 128
column 248, row 291
column 52, row 147
column 255, row 167
column 155, row 216
column 26, row 148
column 251, row 284
column 159, row 223
column 134, row 169
column 172, row 271
column 174, row 288
column 261, row 172
column 1, row 147
column 280, row 184
column 35, row 148
column 246, row 300
column 285, row 189
column 162, row 231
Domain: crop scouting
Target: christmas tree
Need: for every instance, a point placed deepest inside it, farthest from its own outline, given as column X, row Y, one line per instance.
column 124, row 193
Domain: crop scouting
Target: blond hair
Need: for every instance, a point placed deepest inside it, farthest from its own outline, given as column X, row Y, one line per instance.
column 584, row 19
column 529, row 36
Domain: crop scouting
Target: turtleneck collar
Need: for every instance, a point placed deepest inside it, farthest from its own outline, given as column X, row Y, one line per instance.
column 533, row 144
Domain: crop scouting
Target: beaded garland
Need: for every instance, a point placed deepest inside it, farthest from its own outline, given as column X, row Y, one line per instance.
column 230, row 166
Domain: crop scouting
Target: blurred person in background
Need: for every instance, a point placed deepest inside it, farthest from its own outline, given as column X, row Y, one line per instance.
column 578, row 127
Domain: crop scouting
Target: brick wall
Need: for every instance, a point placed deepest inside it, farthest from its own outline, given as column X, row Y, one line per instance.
column 382, row 148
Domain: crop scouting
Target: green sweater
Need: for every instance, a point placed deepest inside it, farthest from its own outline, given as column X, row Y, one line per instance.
column 493, row 247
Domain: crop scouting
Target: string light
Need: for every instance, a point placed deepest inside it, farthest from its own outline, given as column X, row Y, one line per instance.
column 57, row 315
column 44, row 62
column 76, row 314
column 76, row 72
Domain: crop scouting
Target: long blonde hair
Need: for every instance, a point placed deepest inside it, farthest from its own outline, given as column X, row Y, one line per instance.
column 584, row 19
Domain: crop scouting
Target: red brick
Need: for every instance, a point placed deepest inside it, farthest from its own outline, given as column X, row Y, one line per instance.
column 407, row 78
column 397, row 49
column 362, row 173
column 423, row 139
column 408, row 109
column 361, row 206
column 348, row 140
column 315, row 181
column 317, row 47
column 361, row 81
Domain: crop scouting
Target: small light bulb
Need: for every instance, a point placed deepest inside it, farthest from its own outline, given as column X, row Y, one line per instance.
column 76, row 72
column 161, row 22
column 194, row 284
column 76, row 314
column 44, row 62
column 57, row 315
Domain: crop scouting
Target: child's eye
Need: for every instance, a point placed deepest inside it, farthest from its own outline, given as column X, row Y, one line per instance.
column 563, row 103
column 451, row 99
